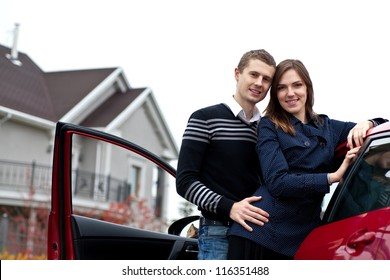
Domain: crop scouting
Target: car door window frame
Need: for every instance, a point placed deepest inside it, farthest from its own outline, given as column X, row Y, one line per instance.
column 339, row 202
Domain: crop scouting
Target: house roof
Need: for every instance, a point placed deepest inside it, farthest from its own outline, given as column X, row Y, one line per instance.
column 91, row 97
column 28, row 89
column 23, row 88
column 108, row 110
column 79, row 83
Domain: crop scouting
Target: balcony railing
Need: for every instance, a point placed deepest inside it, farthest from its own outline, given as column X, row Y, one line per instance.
column 36, row 178
column 23, row 229
column 25, row 177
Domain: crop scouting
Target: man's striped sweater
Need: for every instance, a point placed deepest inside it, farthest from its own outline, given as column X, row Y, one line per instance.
column 218, row 164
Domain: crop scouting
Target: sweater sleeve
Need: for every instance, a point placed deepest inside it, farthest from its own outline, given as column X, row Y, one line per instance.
column 378, row 121
column 189, row 184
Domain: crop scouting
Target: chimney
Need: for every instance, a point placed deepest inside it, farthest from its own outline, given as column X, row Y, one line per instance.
column 14, row 51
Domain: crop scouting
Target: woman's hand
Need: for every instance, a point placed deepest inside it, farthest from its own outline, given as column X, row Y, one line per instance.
column 336, row 176
column 358, row 133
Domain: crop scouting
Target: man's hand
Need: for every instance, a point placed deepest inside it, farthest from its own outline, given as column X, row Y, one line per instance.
column 244, row 211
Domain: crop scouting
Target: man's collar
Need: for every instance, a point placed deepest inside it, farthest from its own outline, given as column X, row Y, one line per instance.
column 239, row 112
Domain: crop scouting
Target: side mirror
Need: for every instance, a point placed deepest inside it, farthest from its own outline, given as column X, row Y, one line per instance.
column 177, row 227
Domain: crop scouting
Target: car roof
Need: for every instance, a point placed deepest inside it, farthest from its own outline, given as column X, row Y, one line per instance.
column 380, row 128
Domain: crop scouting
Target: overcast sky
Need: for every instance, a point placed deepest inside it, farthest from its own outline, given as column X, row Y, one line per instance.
column 186, row 51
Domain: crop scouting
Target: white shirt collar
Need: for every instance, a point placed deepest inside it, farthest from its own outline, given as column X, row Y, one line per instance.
column 239, row 112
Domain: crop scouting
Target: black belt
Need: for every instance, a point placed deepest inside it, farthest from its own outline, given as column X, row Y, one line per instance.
column 208, row 222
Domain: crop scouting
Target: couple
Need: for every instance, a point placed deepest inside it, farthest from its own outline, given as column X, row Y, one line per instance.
column 259, row 182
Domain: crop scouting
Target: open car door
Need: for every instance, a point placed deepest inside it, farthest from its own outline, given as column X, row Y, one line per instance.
column 77, row 232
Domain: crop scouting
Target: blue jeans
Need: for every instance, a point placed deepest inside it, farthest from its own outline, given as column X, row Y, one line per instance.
column 213, row 242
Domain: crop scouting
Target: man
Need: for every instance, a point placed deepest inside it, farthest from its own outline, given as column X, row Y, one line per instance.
column 218, row 169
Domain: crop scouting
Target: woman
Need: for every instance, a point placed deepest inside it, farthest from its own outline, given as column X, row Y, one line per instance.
column 295, row 148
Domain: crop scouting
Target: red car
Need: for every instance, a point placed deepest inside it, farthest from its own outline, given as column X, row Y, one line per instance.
column 356, row 223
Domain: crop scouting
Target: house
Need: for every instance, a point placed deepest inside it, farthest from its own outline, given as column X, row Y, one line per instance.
column 32, row 101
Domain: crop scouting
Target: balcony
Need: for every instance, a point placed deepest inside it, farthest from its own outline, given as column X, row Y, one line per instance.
column 25, row 181
column 25, row 191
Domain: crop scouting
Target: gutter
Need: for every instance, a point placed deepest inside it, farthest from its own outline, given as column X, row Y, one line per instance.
column 6, row 118
column 39, row 122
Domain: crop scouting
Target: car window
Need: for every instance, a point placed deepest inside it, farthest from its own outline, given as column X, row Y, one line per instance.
column 114, row 184
column 368, row 186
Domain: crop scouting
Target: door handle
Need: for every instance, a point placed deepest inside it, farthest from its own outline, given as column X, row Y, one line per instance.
column 360, row 239
column 191, row 249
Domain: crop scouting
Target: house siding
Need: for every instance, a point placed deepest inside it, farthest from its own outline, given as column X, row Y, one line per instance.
column 141, row 130
column 21, row 142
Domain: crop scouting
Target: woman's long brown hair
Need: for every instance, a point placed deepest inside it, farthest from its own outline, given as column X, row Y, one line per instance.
column 274, row 110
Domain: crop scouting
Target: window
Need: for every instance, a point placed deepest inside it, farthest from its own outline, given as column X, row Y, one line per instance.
column 368, row 187
column 134, row 180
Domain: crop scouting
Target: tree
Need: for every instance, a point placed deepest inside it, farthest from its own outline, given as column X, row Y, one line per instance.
column 186, row 209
